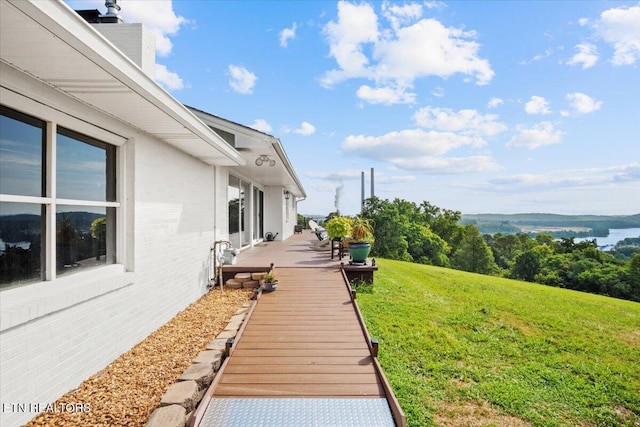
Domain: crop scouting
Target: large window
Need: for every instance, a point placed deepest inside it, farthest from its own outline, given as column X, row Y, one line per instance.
column 57, row 200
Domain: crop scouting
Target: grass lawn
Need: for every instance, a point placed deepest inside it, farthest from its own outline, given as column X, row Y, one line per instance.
column 467, row 349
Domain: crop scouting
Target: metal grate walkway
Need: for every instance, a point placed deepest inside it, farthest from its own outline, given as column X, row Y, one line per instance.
column 297, row 412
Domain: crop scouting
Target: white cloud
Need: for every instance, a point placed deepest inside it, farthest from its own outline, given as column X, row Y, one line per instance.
column 535, row 137
column 547, row 53
column 416, row 149
column 537, row 105
column 305, row 129
column 494, row 102
column 428, row 48
column 168, row 79
column 586, row 56
column 620, row 27
column 385, row 95
column 396, row 54
column 583, row 104
column 287, row 34
column 627, row 173
column 357, row 25
column 438, row 92
column 261, row 125
column 399, row 15
column 569, row 178
column 449, row 165
column 350, row 174
column 242, row 80
column 466, row 122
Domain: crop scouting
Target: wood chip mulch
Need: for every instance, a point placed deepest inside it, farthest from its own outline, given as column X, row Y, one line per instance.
column 127, row 391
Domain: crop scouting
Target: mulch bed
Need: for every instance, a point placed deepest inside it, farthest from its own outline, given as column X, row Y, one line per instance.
column 129, row 389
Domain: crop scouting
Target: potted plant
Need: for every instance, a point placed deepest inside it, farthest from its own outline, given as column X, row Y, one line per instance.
column 270, row 283
column 339, row 227
column 361, row 239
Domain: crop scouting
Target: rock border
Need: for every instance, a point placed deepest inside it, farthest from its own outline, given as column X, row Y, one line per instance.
column 183, row 397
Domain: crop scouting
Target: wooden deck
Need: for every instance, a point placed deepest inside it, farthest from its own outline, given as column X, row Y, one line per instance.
column 302, row 340
column 303, row 353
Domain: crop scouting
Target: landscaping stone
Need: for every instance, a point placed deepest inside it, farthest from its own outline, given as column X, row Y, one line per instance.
column 233, row 284
column 217, row 344
column 168, row 416
column 233, row 326
column 251, row 284
column 202, row 373
column 227, row 334
column 258, row 276
column 242, row 277
column 237, row 317
column 183, row 393
column 212, row 357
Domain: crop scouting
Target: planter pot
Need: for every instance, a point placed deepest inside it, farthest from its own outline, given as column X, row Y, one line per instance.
column 270, row 286
column 359, row 251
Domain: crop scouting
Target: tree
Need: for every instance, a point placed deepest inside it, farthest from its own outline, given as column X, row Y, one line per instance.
column 634, row 277
column 426, row 247
column 389, row 229
column 526, row 266
column 474, row 254
column 99, row 232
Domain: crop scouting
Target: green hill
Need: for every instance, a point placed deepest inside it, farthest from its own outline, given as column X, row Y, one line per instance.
column 467, row 349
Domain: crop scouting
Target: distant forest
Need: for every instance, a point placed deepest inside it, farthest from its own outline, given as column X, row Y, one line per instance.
column 598, row 225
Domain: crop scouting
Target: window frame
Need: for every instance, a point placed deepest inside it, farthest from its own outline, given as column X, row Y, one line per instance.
column 48, row 200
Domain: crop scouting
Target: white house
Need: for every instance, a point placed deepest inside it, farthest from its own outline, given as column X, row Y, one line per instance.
column 111, row 195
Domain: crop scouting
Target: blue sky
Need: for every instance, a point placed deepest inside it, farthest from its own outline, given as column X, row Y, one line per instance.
column 481, row 107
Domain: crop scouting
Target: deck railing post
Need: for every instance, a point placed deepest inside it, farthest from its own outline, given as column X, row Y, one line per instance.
column 228, row 346
column 374, row 347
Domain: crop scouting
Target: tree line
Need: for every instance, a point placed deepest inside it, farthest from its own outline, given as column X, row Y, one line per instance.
column 427, row 234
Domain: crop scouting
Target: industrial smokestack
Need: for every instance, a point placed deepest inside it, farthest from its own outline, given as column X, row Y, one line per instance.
column 372, row 192
column 362, row 192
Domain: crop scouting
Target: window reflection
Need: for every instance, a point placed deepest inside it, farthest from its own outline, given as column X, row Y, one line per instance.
column 81, row 238
column 81, row 168
column 20, row 243
column 233, row 198
column 21, row 154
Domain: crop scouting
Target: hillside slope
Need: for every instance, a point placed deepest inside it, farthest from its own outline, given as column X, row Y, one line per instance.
column 466, row 349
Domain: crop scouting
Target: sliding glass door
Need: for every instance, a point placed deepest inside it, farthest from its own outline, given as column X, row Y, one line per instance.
column 245, row 212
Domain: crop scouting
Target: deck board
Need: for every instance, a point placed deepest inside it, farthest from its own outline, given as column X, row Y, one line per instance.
column 304, row 340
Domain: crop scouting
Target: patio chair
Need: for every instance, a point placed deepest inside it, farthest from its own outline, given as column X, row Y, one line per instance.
column 320, row 232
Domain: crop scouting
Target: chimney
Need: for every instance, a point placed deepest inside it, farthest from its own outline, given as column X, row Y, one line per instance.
column 133, row 40
column 112, row 16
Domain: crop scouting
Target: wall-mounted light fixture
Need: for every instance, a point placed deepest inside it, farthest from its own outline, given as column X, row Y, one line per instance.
column 264, row 159
column 287, row 195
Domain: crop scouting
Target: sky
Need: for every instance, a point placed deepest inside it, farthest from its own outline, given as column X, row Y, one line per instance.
column 474, row 106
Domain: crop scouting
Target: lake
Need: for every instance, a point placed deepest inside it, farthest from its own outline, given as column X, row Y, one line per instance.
column 615, row 235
